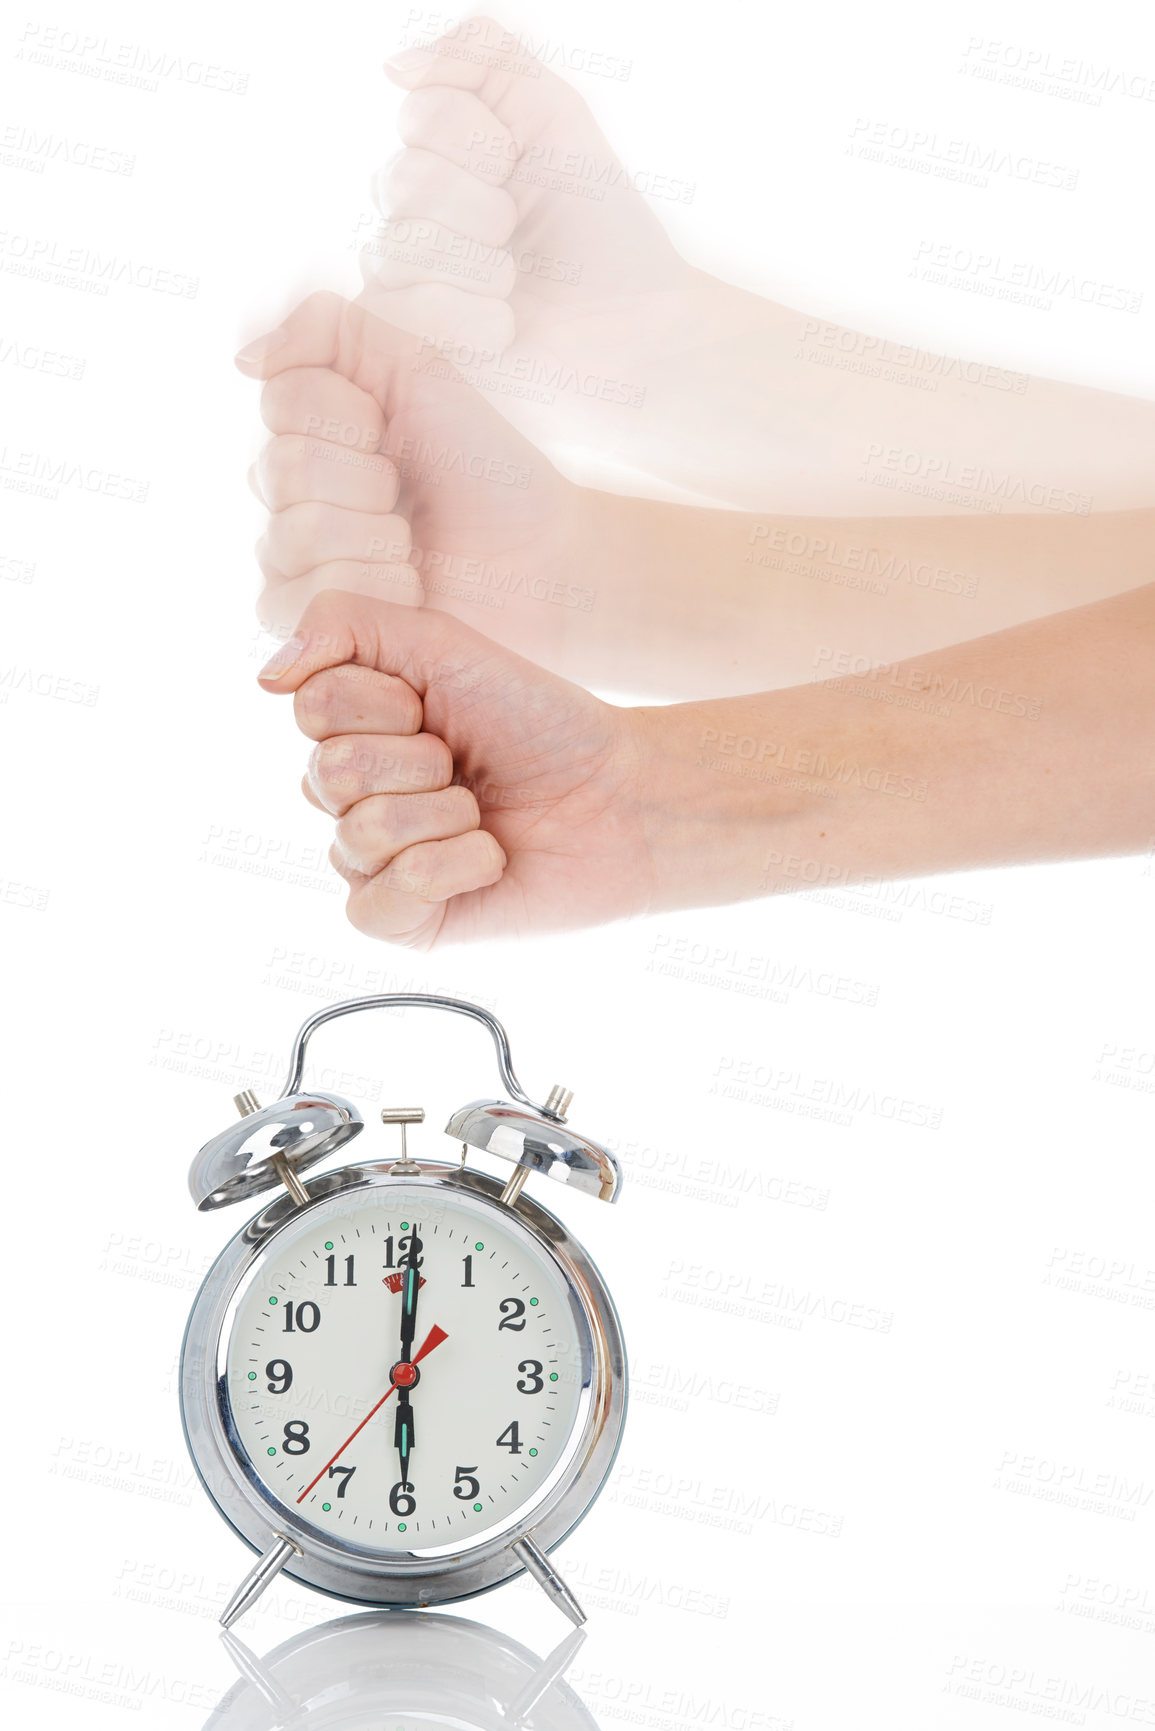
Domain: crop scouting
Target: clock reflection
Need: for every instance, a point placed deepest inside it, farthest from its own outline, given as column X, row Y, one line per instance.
column 400, row 1671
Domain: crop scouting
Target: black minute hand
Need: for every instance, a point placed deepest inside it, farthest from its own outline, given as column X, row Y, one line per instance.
column 409, row 1289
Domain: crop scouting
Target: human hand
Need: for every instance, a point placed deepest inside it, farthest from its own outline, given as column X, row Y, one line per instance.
column 388, row 475
column 515, row 236
column 476, row 795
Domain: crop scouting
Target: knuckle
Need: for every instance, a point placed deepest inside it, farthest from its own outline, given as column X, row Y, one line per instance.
column 424, row 111
column 268, row 554
column 308, row 523
column 408, row 875
column 317, row 703
column 333, row 769
column 461, row 808
column 283, row 466
column 504, row 214
column 437, row 767
column 407, row 176
column 393, row 541
column 490, row 855
column 364, row 831
column 412, row 711
column 273, row 399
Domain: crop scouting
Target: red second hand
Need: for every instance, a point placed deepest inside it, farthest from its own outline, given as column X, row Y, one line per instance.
column 432, row 1339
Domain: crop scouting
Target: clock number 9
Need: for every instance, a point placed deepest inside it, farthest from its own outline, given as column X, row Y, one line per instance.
column 280, row 1374
column 531, row 1381
column 296, row 1440
column 512, row 1315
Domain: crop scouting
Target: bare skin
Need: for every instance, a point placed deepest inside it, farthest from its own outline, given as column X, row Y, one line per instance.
column 389, row 475
column 478, row 796
column 515, row 239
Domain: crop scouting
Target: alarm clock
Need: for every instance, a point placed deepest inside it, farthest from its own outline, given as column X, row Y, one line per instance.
column 402, row 1382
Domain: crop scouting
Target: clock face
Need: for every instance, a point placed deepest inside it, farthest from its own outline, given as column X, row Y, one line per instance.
column 407, row 1369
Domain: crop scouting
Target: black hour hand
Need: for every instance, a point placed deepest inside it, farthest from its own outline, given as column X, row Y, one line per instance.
column 403, row 1432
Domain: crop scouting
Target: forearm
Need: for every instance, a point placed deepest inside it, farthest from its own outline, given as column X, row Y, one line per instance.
column 1035, row 744
column 731, row 602
column 809, row 416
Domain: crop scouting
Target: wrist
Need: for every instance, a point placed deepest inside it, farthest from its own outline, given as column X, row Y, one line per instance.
column 716, row 798
column 785, row 790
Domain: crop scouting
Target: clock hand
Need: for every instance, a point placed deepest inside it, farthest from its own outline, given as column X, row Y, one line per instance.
column 403, row 1429
column 403, row 1432
column 433, row 1338
column 409, row 1290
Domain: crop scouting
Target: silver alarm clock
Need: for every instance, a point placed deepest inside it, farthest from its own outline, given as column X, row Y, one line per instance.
column 402, row 1382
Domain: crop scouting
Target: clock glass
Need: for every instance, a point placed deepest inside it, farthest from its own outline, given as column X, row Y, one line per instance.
column 406, row 1369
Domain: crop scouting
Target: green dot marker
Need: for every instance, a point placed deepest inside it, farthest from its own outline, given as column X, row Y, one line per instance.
column 252, row 1376
column 272, row 1301
column 533, row 1301
column 477, row 1508
column 479, row 1247
column 401, row 1527
column 326, row 1507
column 533, row 1451
column 272, row 1451
column 328, row 1244
column 405, row 1226
column 553, row 1376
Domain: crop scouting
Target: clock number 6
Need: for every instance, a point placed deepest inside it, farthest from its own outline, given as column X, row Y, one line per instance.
column 401, row 1500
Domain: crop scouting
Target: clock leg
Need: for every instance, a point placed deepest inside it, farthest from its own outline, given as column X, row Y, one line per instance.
column 547, row 1577
column 254, row 1671
column 258, row 1579
column 552, row 1671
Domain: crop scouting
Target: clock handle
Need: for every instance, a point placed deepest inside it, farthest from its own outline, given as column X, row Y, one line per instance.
column 418, row 1000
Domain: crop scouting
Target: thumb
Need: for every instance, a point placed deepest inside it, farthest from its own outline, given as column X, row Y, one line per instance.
column 310, row 336
column 325, row 330
column 418, row 644
column 329, row 332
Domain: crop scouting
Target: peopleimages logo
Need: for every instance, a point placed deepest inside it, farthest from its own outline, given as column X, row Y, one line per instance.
column 1010, row 278
column 857, row 557
column 1034, row 68
column 799, row 760
column 954, row 158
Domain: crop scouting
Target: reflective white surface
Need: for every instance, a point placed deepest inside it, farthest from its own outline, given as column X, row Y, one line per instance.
column 406, row 1669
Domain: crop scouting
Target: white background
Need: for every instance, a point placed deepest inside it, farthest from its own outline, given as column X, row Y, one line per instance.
column 912, row 1482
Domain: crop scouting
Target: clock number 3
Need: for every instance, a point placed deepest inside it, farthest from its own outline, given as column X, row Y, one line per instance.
column 531, row 1380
